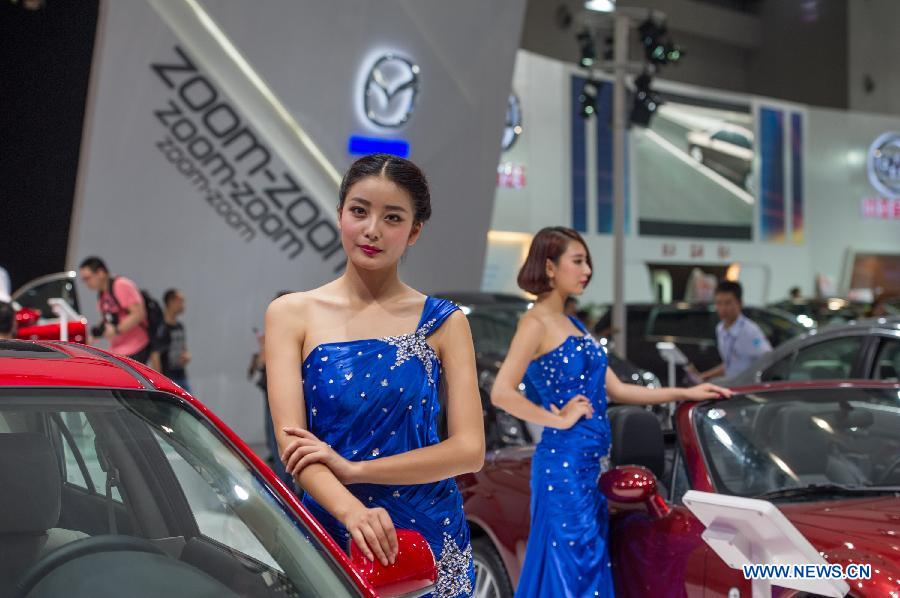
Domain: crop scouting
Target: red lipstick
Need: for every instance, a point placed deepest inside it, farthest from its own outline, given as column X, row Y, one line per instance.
column 369, row 250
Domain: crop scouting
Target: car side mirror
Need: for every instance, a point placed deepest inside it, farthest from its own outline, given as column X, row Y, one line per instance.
column 633, row 484
column 414, row 571
column 27, row 317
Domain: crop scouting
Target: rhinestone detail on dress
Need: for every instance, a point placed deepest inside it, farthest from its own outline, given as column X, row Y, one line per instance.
column 453, row 570
column 414, row 345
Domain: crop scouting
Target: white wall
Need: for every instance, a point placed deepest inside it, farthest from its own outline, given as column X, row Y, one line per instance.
column 836, row 182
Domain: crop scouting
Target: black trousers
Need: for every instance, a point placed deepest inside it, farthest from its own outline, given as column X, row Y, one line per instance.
column 143, row 355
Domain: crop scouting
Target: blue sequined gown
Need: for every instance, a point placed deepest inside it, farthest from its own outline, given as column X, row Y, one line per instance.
column 372, row 398
column 567, row 553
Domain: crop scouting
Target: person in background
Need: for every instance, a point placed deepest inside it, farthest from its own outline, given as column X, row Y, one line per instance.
column 172, row 356
column 794, row 294
column 7, row 321
column 740, row 341
column 258, row 369
column 122, row 307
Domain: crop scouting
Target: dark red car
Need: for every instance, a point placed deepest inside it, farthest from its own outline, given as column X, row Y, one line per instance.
column 116, row 482
column 827, row 454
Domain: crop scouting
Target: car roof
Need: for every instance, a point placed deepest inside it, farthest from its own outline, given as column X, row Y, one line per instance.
column 57, row 364
column 812, row 385
column 855, row 327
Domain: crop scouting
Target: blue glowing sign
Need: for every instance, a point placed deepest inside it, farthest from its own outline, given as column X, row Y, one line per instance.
column 361, row 146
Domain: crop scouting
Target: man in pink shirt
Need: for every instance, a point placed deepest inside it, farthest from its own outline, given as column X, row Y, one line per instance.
column 122, row 307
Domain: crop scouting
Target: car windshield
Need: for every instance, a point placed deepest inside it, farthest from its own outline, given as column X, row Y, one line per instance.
column 493, row 328
column 756, row 444
column 147, row 469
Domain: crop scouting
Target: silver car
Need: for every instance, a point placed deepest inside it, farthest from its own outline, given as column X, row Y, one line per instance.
column 866, row 349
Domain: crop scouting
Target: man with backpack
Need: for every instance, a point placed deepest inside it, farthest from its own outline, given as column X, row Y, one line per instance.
column 130, row 316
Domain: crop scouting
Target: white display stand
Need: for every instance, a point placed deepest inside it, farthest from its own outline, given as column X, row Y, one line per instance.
column 66, row 314
column 673, row 356
column 745, row 531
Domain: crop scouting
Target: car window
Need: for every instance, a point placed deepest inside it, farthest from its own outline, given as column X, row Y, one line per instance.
column 764, row 442
column 175, row 470
column 887, row 363
column 828, row 360
column 720, row 136
column 79, row 443
column 213, row 513
column 493, row 330
column 780, row 370
column 696, row 324
column 742, row 141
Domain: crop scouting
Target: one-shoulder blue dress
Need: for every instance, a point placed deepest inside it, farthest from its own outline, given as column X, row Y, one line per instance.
column 372, row 398
column 567, row 553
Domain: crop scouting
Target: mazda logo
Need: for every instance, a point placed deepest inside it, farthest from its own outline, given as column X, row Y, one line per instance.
column 884, row 164
column 390, row 91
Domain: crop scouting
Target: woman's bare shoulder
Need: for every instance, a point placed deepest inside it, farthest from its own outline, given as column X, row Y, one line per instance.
column 532, row 322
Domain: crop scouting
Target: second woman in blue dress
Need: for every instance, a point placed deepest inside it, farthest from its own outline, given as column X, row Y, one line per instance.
column 568, row 381
column 354, row 369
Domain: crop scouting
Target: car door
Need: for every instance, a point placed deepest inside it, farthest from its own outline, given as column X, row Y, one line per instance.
column 718, row 157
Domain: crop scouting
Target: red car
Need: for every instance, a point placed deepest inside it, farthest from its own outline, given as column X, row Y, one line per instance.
column 827, row 454
column 37, row 319
column 116, row 482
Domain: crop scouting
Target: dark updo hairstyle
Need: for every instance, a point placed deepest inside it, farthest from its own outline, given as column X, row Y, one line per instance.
column 399, row 171
column 548, row 244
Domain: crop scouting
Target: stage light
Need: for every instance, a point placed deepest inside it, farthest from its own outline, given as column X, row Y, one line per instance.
column 586, row 47
column 601, row 5
column 658, row 46
column 651, row 35
column 588, row 99
column 645, row 102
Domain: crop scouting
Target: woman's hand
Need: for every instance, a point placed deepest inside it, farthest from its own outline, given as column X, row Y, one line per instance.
column 705, row 392
column 306, row 449
column 373, row 531
column 578, row 406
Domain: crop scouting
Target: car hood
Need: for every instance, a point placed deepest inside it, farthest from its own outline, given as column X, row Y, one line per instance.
column 865, row 530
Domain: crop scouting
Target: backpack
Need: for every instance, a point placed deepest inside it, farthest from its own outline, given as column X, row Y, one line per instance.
column 154, row 311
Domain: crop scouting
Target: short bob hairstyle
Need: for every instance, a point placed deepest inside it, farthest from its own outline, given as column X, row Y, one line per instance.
column 548, row 244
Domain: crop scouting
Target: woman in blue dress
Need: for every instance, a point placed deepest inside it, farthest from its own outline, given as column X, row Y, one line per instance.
column 567, row 379
column 353, row 370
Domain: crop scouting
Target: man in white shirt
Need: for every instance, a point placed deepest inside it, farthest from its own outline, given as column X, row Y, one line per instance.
column 740, row 341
